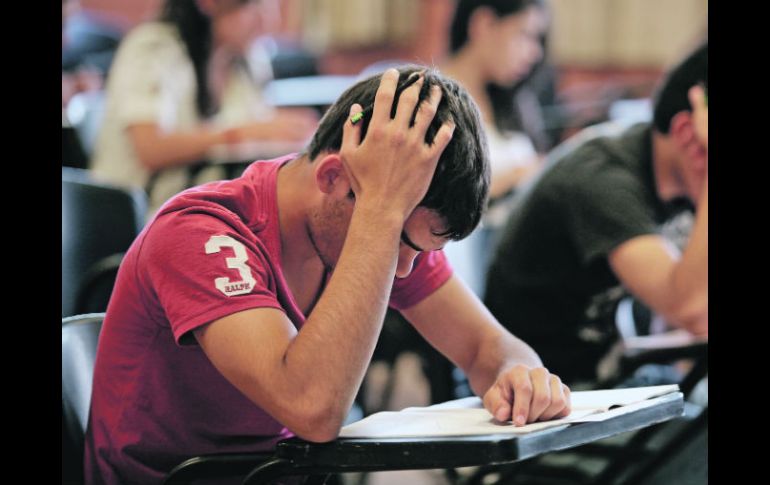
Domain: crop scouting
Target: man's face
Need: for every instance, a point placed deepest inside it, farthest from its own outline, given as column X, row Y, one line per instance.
column 513, row 45
column 328, row 227
column 237, row 25
column 419, row 235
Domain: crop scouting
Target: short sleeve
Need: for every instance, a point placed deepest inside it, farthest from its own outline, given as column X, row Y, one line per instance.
column 604, row 208
column 202, row 268
column 149, row 74
column 431, row 270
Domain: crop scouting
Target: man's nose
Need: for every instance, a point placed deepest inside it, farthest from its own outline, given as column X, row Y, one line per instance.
column 405, row 261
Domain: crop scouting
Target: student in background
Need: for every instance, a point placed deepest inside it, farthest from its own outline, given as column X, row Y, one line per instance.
column 184, row 84
column 495, row 45
column 589, row 228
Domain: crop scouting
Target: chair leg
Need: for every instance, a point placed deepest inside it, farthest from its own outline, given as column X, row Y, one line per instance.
column 268, row 471
column 668, row 451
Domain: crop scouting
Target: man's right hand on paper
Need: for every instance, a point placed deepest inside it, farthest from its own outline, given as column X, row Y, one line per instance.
column 392, row 168
column 524, row 394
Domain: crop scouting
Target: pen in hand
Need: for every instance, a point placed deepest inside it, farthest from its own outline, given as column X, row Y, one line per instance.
column 401, row 87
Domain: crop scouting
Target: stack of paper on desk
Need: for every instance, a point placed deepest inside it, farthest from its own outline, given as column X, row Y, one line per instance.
column 466, row 417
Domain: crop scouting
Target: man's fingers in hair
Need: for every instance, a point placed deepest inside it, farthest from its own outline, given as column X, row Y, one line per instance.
column 351, row 133
column 443, row 137
column 427, row 110
column 383, row 100
column 407, row 102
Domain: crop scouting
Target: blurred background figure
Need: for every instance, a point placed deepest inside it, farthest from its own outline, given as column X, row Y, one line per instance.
column 89, row 40
column 185, row 84
column 588, row 232
column 495, row 44
column 495, row 47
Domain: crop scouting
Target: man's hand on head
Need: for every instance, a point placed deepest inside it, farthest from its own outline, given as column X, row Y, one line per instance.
column 392, row 168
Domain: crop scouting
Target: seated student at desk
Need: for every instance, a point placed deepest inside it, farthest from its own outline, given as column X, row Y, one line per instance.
column 591, row 223
column 185, row 84
column 248, row 310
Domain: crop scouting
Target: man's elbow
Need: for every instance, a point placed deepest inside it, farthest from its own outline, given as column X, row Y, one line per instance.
column 691, row 314
column 318, row 435
column 319, row 425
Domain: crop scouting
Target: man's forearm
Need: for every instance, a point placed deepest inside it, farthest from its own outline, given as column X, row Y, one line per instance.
column 157, row 150
column 690, row 277
column 345, row 323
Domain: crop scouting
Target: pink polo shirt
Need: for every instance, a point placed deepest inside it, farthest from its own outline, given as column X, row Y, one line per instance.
column 210, row 251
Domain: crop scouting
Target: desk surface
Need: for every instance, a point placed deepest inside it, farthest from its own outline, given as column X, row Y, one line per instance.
column 307, row 90
column 295, row 456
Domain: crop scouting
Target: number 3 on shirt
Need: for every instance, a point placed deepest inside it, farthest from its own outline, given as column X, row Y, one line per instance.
column 223, row 284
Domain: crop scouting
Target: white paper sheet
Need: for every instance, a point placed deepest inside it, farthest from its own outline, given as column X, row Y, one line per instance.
column 467, row 417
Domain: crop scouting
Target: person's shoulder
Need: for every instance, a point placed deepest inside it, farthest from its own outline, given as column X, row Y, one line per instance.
column 148, row 49
column 180, row 225
column 596, row 151
column 583, row 170
column 152, row 36
column 194, row 209
column 577, row 166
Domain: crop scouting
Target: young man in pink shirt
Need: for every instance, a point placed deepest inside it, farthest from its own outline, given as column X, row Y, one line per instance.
column 247, row 310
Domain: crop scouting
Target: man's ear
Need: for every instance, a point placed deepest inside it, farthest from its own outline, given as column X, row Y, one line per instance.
column 330, row 175
column 682, row 131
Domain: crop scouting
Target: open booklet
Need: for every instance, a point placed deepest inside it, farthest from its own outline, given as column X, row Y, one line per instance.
column 467, row 417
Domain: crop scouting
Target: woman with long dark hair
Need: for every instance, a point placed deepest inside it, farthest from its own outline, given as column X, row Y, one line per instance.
column 495, row 46
column 185, row 84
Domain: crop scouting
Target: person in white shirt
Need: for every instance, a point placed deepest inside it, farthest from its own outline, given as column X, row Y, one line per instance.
column 187, row 83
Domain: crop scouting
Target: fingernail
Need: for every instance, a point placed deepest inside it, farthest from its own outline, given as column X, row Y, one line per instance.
column 521, row 420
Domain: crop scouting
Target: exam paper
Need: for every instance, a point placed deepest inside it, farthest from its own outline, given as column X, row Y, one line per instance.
column 467, row 417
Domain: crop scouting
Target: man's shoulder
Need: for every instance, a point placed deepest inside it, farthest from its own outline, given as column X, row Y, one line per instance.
column 606, row 139
column 601, row 153
column 187, row 215
column 592, row 171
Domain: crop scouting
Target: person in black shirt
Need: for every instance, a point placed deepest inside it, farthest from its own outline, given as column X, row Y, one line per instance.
column 587, row 230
